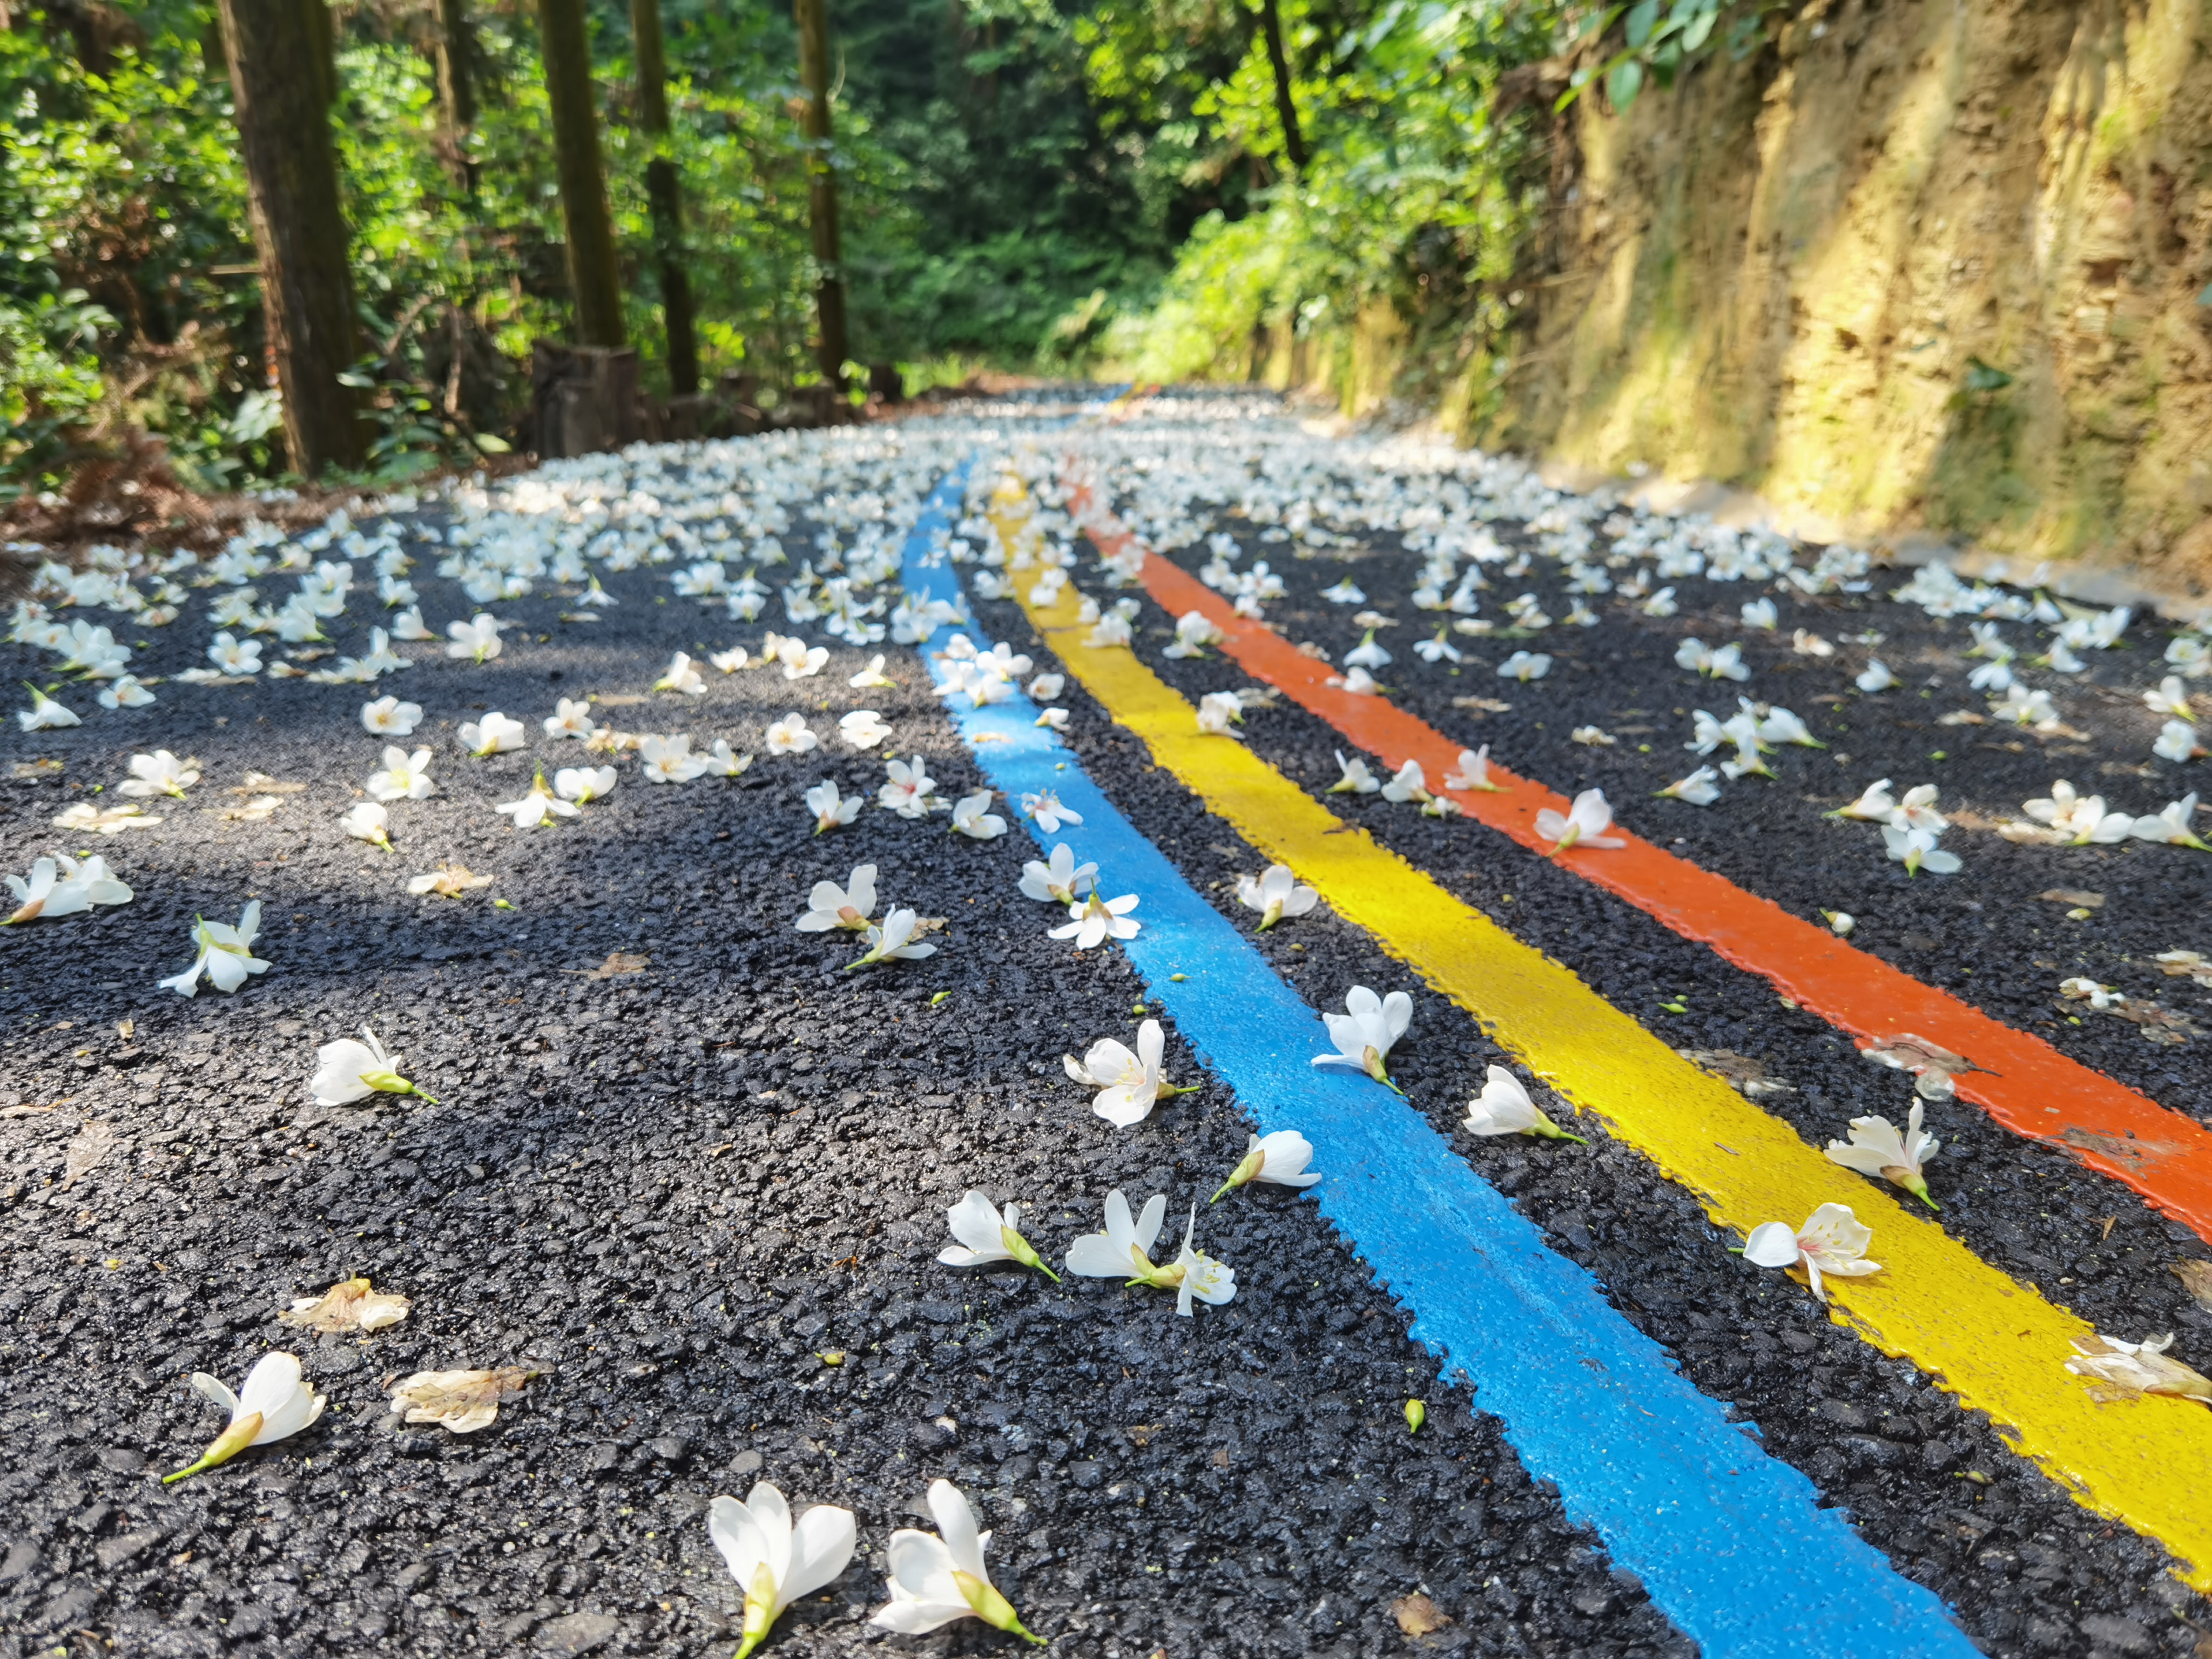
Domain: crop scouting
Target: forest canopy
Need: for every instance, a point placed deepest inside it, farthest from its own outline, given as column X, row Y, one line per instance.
column 1158, row 187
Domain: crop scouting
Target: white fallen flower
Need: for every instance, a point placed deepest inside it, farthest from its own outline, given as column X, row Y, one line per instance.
column 389, row 717
column 830, row 807
column 1357, row 779
column 1780, row 725
column 1218, row 711
column 110, row 820
column 735, row 658
column 1131, row 1084
column 1915, row 849
column 1832, row 1241
column 847, row 906
column 1503, row 1108
column 43, row 712
column 1698, row 789
column 1275, row 893
column 2171, row 698
column 571, row 718
column 226, row 954
column 681, row 675
column 1061, row 881
column 2176, row 741
column 895, row 940
column 1875, row 1148
column 1359, row 682
column 908, row 791
column 1842, row 923
column 775, row 1561
column 2132, row 1370
column 2098, row 996
column 1593, row 737
column 476, row 638
column 126, row 691
column 540, row 806
column 1364, row 1033
column 1583, row 823
column 274, row 1405
column 789, row 736
column 972, row 816
column 670, row 760
column 936, row 1578
column 1096, row 918
column 1111, row 630
column 158, row 773
column 370, row 822
column 60, row 886
column 1124, row 1248
column 872, row 678
column 1760, row 613
column 1195, row 631
column 404, row 777
column 2170, row 825
column 584, row 783
column 1278, row 1159
column 2079, row 820
column 347, row 1071
column 985, row 1236
column 1525, row 665
column 1045, row 687
column 1474, row 772
column 232, row 656
column 352, row 1304
column 1874, row 806
column 494, row 734
column 864, row 728
column 1046, row 811
column 1916, row 810
column 1054, row 719
column 1877, row 677
column 1810, row 644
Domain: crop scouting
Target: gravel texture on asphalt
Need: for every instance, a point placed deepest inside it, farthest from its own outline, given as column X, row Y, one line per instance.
column 2022, row 1563
column 672, row 1192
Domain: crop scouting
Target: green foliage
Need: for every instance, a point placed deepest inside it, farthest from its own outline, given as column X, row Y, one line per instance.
column 1413, row 196
column 1656, row 42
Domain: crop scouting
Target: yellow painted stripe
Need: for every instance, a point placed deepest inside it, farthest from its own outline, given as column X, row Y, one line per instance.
column 1991, row 1340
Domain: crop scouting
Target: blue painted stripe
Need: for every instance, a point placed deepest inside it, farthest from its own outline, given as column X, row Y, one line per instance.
column 1728, row 1541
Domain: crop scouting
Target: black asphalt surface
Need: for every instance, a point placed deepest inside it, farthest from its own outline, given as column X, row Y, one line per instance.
column 674, row 1190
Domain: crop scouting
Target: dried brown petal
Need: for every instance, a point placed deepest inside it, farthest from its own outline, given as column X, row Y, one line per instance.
column 2074, row 896
column 1932, row 1065
column 2196, row 1278
column 349, row 1305
column 617, row 962
column 91, row 1144
column 1748, row 1077
column 1417, row 1615
column 464, row 1402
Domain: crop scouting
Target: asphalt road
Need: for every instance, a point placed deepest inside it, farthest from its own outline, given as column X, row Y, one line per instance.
column 672, row 1190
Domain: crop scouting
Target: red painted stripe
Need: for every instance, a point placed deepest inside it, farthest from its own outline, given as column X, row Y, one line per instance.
column 2022, row 1081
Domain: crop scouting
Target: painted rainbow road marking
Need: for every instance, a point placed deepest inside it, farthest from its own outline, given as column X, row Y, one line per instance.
column 2020, row 1081
column 1992, row 1341
column 1729, row 1541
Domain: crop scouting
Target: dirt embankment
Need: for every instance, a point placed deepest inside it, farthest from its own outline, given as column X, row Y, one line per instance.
column 1940, row 266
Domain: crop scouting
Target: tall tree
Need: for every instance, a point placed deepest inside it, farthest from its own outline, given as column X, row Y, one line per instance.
column 813, row 18
column 664, row 197
column 323, row 61
column 1286, row 106
column 594, row 275
column 299, row 229
column 457, row 84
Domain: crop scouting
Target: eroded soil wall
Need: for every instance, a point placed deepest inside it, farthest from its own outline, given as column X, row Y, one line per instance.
column 1810, row 274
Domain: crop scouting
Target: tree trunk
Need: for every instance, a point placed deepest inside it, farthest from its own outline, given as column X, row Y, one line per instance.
column 593, row 273
column 813, row 19
column 1286, row 106
column 323, row 61
column 457, row 86
column 666, row 198
column 299, row 229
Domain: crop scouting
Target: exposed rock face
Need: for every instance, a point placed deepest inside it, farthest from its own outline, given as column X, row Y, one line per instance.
column 1942, row 266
